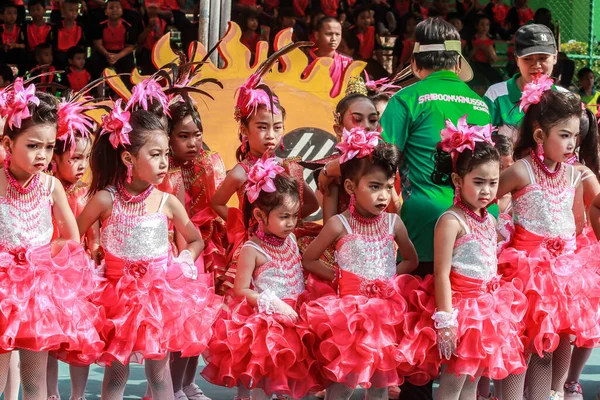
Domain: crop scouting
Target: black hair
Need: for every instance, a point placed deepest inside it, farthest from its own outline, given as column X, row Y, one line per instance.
column 44, row 113
column 9, row 5
column 73, row 51
column 267, row 202
column 385, row 156
column 351, row 40
column 359, row 10
column 241, row 154
column 554, row 107
column 6, row 73
column 344, row 104
column 36, row 3
column 481, row 16
column 504, row 145
column 314, row 21
column 179, row 111
column 113, row 1
column 435, row 31
column 326, row 20
column 62, row 147
column 247, row 15
column 583, row 71
column 41, row 47
column 375, row 97
column 588, row 141
column 453, row 15
column 466, row 161
column 105, row 162
column 72, row 2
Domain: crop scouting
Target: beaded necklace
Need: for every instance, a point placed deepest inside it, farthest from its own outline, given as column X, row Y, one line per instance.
column 127, row 208
column 26, row 202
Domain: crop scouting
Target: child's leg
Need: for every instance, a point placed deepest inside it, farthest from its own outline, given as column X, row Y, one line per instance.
column 242, row 392
column 178, row 367
column 377, row 393
column 189, row 376
column 115, row 379
column 338, row 391
column 33, row 374
column 79, row 378
column 159, row 378
column 579, row 358
column 483, row 387
column 13, row 383
column 52, row 377
column 4, row 368
column 469, row 390
column 540, row 376
column 259, row 394
column 561, row 359
column 450, row 386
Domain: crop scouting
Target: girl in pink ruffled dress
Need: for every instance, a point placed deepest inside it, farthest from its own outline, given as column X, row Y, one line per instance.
column 44, row 283
column 478, row 320
column 262, row 344
column 358, row 330
column 154, row 303
column 562, row 289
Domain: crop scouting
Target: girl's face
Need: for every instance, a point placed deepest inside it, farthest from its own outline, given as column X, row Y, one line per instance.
column 478, row 188
column 282, row 220
column 560, row 140
column 31, row 151
column 152, row 161
column 71, row 167
column 373, row 192
column 361, row 114
column 264, row 131
column 252, row 24
column 483, row 26
column 411, row 24
column 186, row 140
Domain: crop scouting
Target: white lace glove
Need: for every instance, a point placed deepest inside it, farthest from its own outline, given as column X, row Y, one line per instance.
column 186, row 263
column 446, row 325
column 269, row 303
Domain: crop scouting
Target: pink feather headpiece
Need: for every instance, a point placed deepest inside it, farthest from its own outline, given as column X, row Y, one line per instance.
column 14, row 103
column 533, row 91
column 358, row 142
column 456, row 139
column 260, row 177
column 73, row 121
column 145, row 93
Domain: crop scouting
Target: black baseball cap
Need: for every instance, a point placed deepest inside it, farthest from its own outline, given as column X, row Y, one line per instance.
column 534, row 39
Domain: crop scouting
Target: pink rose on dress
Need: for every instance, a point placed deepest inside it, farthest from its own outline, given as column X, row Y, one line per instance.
column 138, row 270
column 376, row 289
column 20, row 255
column 493, row 284
column 555, row 246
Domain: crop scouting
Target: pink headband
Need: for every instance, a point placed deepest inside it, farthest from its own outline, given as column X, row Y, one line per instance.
column 14, row 102
column 456, row 139
column 533, row 91
column 358, row 142
column 260, row 177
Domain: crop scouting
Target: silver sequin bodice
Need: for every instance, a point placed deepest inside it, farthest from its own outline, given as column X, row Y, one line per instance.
column 370, row 256
column 134, row 237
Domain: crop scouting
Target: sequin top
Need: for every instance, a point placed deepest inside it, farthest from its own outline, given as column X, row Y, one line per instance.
column 474, row 253
column 26, row 219
column 368, row 251
column 545, row 208
column 282, row 273
column 134, row 237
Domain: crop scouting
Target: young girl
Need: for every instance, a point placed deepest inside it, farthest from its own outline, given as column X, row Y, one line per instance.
column 505, row 225
column 358, row 331
column 562, row 290
column 261, row 117
column 40, row 276
column 197, row 173
column 154, row 303
column 478, row 321
column 262, row 343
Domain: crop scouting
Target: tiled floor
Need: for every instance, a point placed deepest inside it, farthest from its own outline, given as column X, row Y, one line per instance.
column 137, row 385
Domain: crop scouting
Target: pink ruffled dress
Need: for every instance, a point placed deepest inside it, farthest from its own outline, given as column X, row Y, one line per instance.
column 151, row 308
column 43, row 304
column 357, row 331
column 267, row 351
column 562, row 290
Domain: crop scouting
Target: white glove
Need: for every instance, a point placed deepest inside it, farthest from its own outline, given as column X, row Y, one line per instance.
column 446, row 325
column 269, row 303
column 186, row 263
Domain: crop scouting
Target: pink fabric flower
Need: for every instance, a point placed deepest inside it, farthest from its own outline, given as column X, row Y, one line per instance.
column 14, row 103
column 20, row 255
column 357, row 142
column 533, row 91
column 375, row 288
column 456, row 139
column 260, row 177
column 146, row 90
column 138, row 269
column 72, row 120
column 555, row 246
column 117, row 125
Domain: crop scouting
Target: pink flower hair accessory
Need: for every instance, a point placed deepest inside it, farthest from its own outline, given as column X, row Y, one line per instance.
column 14, row 103
column 533, row 91
column 260, row 177
column 73, row 121
column 358, row 142
column 456, row 139
column 116, row 123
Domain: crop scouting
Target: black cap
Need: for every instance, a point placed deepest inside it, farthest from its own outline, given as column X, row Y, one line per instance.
column 534, row 39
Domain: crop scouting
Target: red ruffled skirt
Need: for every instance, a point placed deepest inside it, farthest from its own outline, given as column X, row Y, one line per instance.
column 152, row 309
column 212, row 228
column 563, row 290
column 44, row 304
column 257, row 350
column 356, row 335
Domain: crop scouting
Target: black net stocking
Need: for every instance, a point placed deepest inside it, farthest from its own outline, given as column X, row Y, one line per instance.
column 13, row 383
column 469, row 390
column 52, row 377
column 561, row 359
column 513, row 386
column 79, row 378
column 178, row 367
column 539, row 377
column 159, row 379
column 377, row 393
column 338, row 391
column 579, row 358
column 4, row 369
column 115, row 379
column 33, row 374
column 190, row 372
column 450, row 386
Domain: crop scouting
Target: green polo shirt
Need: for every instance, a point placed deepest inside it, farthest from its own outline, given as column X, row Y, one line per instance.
column 413, row 121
